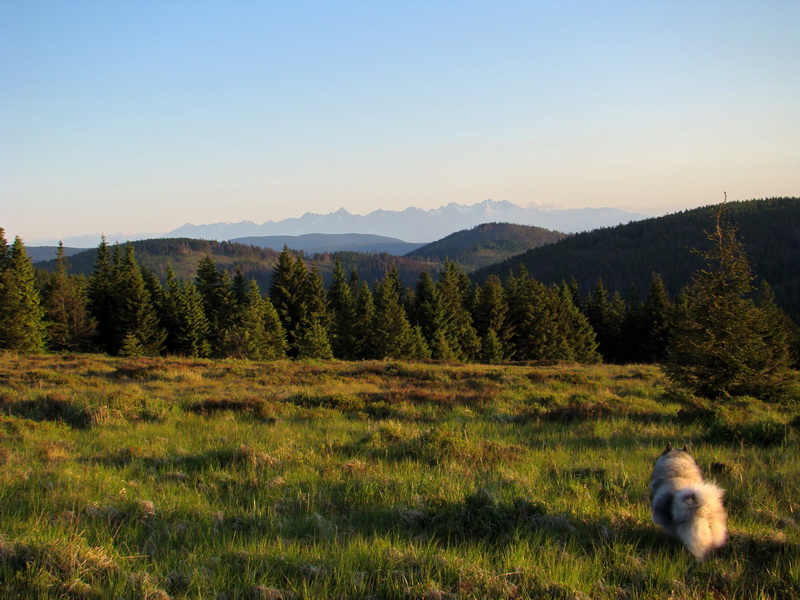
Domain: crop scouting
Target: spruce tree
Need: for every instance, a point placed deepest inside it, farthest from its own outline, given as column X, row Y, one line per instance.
column 343, row 314
column 69, row 326
column 313, row 342
column 392, row 332
column 316, row 301
column 185, row 318
column 455, row 292
column 5, row 250
column 245, row 335
column 492, row 350
column 193, row 327
column 275, row 336
column 429, row 316
column 363, row 334
column 22, row 326
column 656, row 324
column 491, row 320
column 723, row 343
column 782, row 330
column 290, row 294
column 134, row 311
column 100, row 295
column 547, row 325
column 216, row 290
column 606, row 318
column 529, row 316
column 575, row 336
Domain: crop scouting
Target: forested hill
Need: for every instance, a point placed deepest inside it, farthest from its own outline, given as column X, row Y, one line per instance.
column 486, row 244
column 185, row 254
column 629, row 254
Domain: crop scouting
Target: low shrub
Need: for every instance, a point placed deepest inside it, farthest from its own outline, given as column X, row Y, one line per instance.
column 746, row 420
column 251, row 407
column 336, row 401
column 55, row 407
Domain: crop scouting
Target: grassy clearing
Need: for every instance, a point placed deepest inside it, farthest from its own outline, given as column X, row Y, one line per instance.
column 157, row 478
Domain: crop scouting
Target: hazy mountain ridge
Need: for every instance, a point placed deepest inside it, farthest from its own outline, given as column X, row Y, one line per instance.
column 411, row 225
column 415, row 224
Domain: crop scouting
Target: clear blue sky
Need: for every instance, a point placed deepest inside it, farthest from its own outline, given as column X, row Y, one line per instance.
column 141, row 116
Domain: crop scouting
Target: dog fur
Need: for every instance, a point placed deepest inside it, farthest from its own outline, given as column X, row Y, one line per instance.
column 685, row 505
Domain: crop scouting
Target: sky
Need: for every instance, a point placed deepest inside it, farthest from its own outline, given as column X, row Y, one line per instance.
column 138, row 117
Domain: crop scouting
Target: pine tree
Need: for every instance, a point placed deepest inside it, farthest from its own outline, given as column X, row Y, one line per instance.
column 455, row 292
column 723, row 343
column 5, row 251
column 313, row 342
column 606, row 318
column 343, row 314
column 529, row 316
column 363, row 334
column 216, row 290
column 491, row 320
column 492, row 351
column 782, row 332
column 193, row 327
column 419, row 349
column 100, row 296
column 429, row 316
column 576, row 337
column 289, row 294
column 547, row 325
column 134, row 311
column 245, row 335
column 185, row 319
column 69, row 326
column 22, row 326
column 275, row 336
column 316, row 301
column 656, row 324
column 392, row 333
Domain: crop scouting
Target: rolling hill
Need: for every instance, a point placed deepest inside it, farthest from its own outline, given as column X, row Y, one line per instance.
column 332, row 242
column 627, row 255
column 486, row 244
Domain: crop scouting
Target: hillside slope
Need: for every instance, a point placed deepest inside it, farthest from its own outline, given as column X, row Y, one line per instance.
column 332, row 242
column 628, row 254
column 486, row 244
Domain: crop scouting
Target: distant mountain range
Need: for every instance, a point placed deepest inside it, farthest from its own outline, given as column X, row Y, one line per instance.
column 412, row 225
column 415, row 224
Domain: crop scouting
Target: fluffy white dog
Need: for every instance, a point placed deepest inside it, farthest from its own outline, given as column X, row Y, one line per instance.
column 685, row 505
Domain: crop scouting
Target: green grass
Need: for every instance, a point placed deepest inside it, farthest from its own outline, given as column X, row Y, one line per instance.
column 157, row 478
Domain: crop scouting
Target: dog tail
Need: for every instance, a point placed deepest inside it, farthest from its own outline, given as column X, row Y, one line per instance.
column 700, row 518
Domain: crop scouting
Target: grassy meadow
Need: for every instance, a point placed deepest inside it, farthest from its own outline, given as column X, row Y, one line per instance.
column 175, row 478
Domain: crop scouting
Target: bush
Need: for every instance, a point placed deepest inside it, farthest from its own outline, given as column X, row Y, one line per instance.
column 746, row 421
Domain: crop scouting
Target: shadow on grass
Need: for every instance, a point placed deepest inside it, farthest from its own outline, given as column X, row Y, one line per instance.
column 54, row 408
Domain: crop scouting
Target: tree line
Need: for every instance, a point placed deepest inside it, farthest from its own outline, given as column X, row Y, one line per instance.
column 122, row 308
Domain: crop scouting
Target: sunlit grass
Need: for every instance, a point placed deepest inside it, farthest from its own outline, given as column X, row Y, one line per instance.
column 156, row 478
